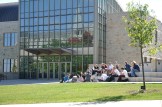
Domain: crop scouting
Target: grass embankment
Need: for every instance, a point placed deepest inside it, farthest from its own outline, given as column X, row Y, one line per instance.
column 77, row 92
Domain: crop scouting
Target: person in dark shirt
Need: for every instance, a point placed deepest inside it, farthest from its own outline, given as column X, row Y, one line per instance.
column 127, row 67
column 87, row 77
column 135, row 68
column 95, row 69
column 62, row 77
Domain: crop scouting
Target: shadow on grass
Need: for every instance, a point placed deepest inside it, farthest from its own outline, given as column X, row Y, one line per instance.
column 103, row 100
column 110, row 98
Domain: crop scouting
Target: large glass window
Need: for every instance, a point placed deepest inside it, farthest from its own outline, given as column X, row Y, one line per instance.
column 9, row 65
column 10, row 39
column 58, row 24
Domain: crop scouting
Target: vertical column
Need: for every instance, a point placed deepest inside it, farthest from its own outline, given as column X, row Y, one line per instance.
column 53, row 70
column 96, row 35
column 37, row 74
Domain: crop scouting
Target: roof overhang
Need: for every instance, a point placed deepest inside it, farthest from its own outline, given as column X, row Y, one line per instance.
column 48, row 51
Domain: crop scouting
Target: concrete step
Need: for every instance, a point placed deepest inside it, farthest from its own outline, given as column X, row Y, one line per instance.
column 147, row 79
column 150, row 74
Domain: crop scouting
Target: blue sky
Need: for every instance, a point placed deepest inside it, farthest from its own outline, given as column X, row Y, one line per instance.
column 154, row 5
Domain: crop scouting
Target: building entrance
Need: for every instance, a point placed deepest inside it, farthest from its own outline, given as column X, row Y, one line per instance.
column 53, row 70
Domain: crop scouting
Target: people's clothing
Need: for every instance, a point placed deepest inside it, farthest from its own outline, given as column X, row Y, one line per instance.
column 95, row 68
column 110, row 78
column 116, row 71
column 80, row 79
column 104, row 77
column 133, row 72
column 94, row 78
column 128, row 67
column 125, row 73
column 120, row 78
column 94, row 72
column 110, row 67
column 62, row 78
column 74, row 79
column 66, row 78
column 87, row 77
column 136, row 67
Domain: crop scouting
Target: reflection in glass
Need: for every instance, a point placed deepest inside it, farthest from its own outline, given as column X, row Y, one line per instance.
column 58, row 24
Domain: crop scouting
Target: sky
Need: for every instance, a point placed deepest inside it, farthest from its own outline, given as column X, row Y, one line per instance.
column 154, row 5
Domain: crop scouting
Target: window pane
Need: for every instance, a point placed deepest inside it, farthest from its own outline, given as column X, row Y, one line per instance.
column 51, row 4
column 6, row 65
column 57, row 4
column 35, row 6
column 63, row 4
column 13, row 39
column 40, row 5
column 12, row 64
column 69, row 4
column 5, row 39
column 46, row 5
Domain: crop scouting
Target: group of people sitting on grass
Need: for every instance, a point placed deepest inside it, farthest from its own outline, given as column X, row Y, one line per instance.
column 104, row 73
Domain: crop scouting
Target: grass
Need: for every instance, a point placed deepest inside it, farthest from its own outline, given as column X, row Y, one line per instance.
column 77, row 92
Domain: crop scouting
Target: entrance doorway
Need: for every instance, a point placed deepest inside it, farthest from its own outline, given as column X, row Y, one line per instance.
column 53, row 70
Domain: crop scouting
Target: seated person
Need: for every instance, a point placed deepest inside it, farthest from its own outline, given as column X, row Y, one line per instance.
column 80, row 78
column 103, row 77
column 135, row 68
column 75, row 78
column 127, row 67
column 124, row 74
column 94, row 78
column 95, row 69
column 115, row 72
column 66, row 78
column 87, row 77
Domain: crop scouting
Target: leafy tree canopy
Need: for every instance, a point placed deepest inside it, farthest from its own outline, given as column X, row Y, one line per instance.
column 140, row 25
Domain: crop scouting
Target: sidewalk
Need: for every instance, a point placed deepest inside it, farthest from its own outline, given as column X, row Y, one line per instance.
column 27, row 81
column 51, row 81
column 145, row 103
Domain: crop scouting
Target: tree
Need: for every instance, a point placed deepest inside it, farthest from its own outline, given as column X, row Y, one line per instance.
column 141, row 29
column 87, row 39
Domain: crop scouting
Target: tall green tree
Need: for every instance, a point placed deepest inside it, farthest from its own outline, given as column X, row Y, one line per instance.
column 141, row 29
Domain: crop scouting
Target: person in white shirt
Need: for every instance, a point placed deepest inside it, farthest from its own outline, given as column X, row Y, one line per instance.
column 124, row 74
column 103, row 77
column 115, row 72
column 110, row 67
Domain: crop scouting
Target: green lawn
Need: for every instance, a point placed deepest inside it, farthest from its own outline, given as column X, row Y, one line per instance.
column 77, row 92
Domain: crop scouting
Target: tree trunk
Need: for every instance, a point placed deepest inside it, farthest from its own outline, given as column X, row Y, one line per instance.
column 144, row 86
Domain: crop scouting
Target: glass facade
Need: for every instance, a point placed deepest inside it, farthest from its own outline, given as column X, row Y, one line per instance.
column 61, row 36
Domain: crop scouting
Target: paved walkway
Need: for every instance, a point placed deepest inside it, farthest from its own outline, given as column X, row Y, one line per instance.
column 45, row 81
column 151, row 103
column 27, row 81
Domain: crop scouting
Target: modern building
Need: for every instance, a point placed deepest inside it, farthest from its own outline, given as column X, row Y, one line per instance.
column 59, row 36
column 46, row 38
column 9, row 29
